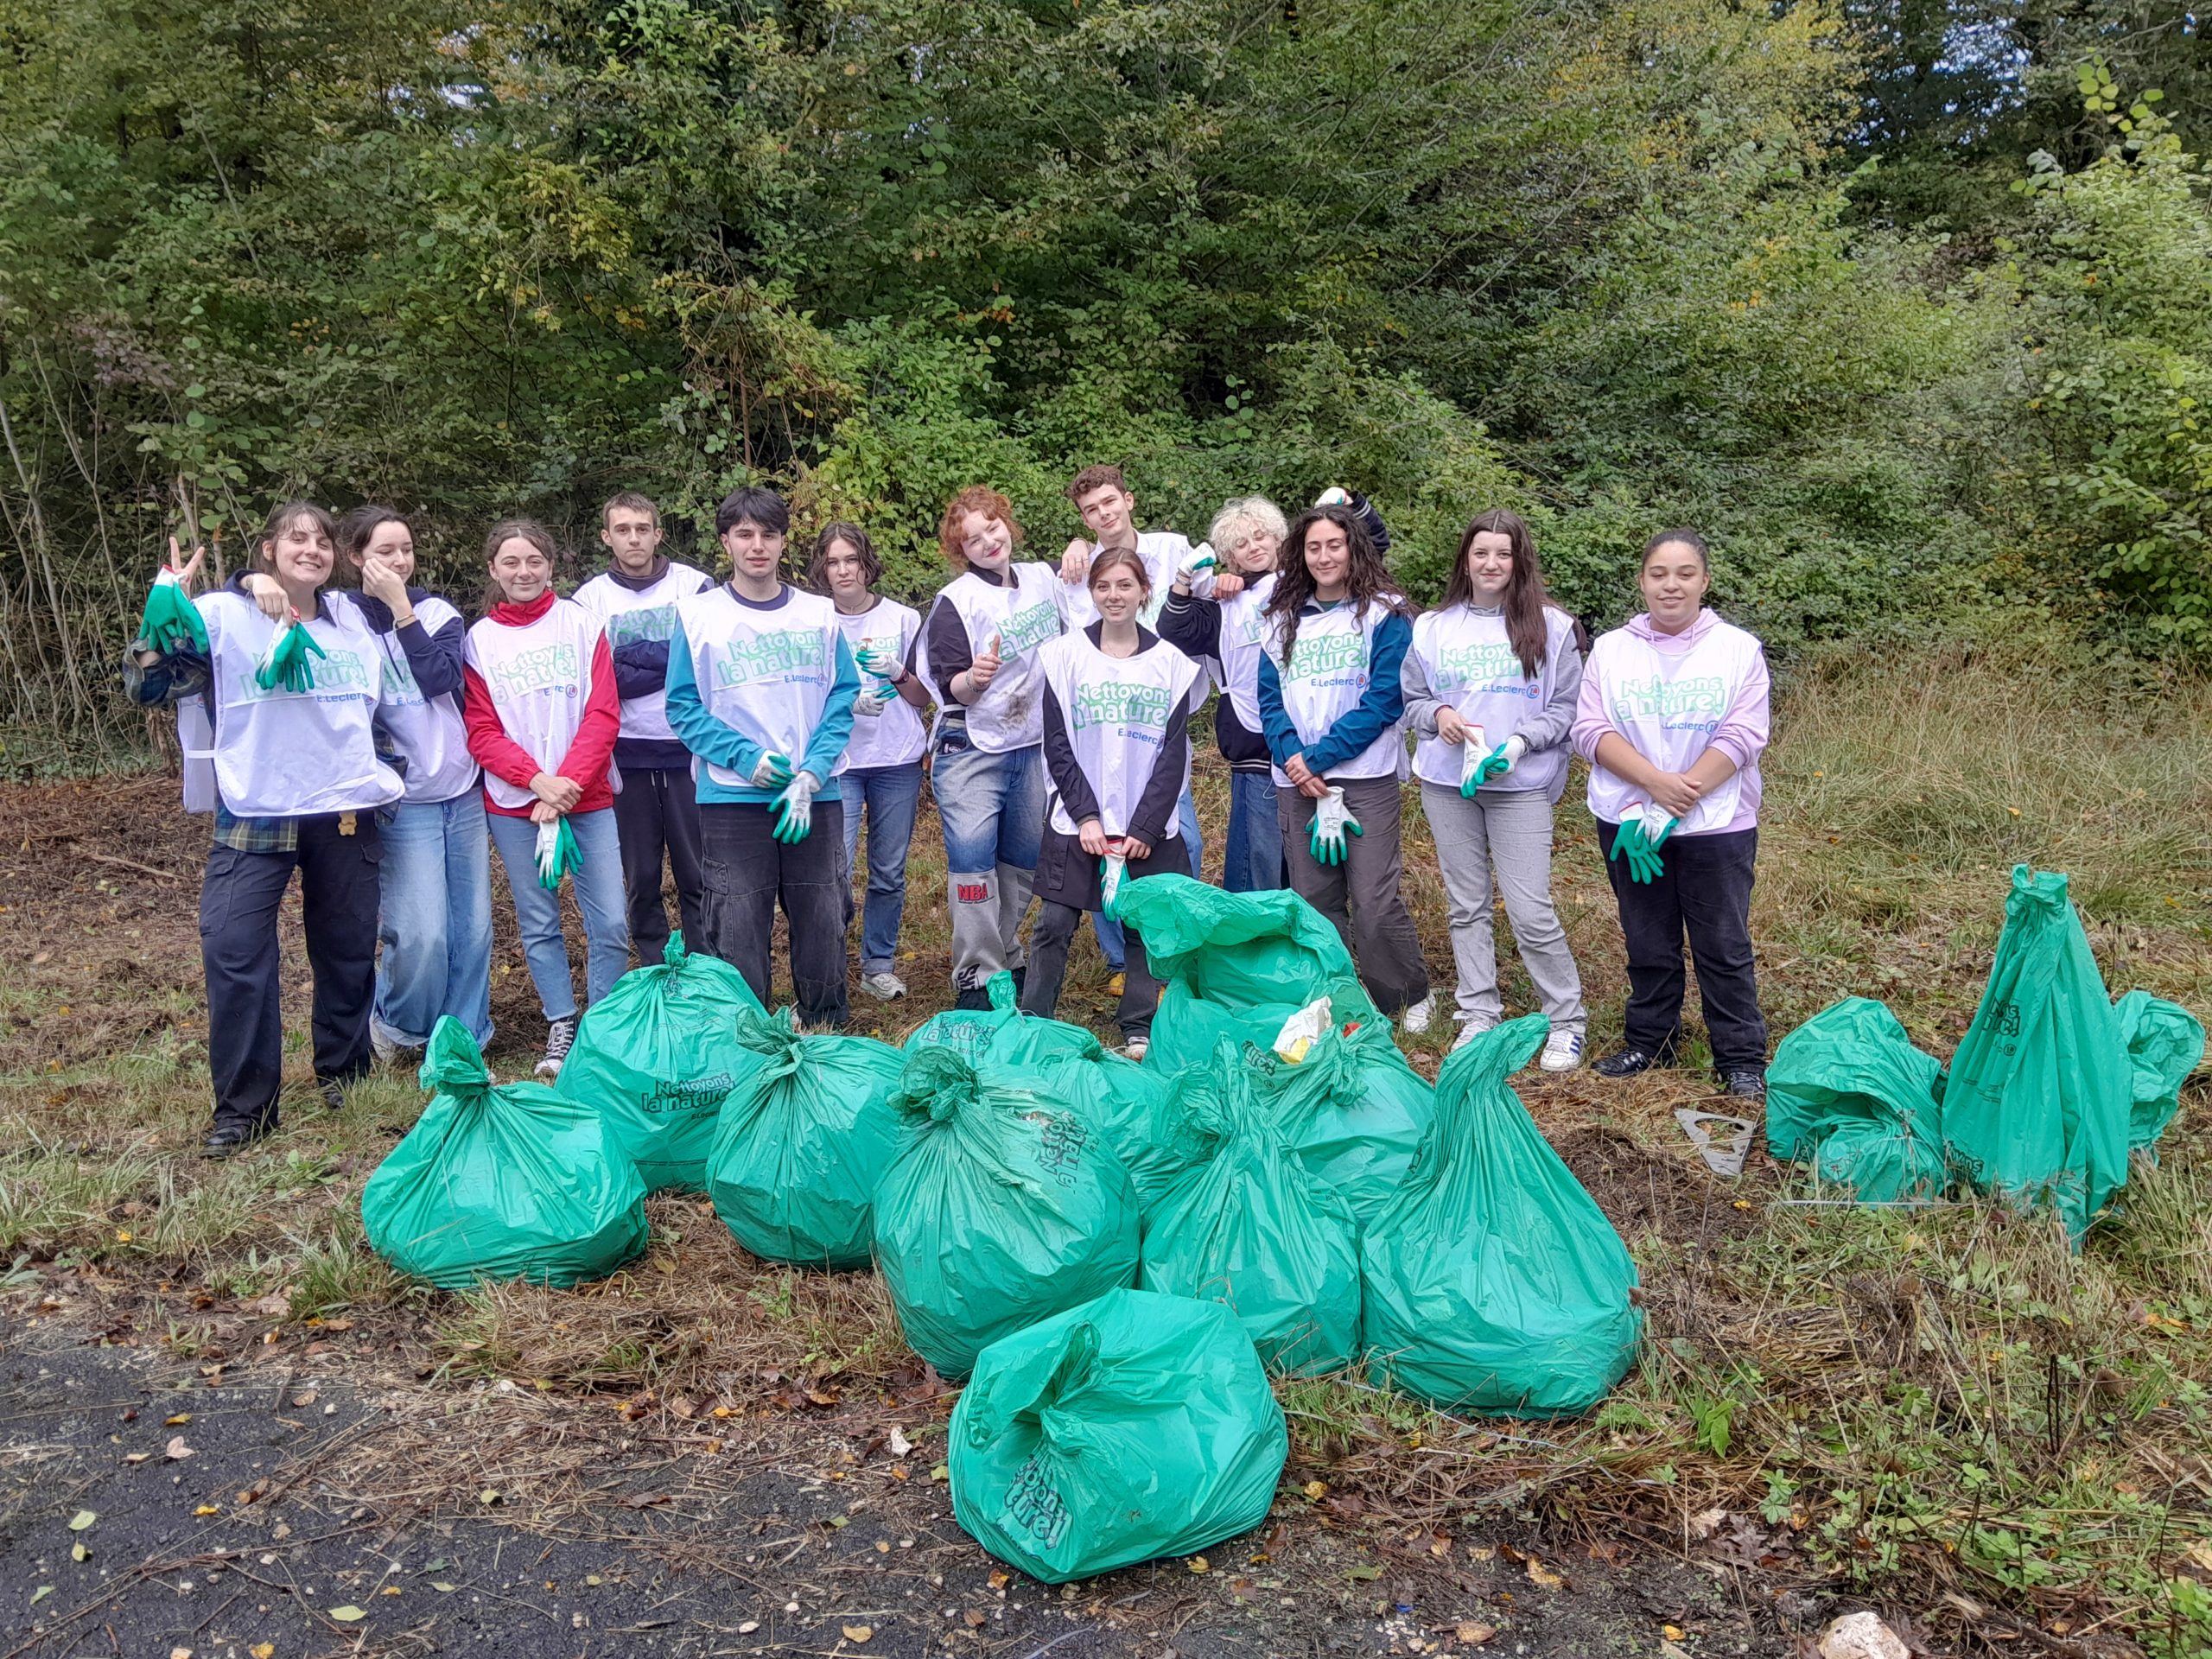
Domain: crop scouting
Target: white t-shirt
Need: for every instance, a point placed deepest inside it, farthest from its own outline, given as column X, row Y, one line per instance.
column 1116, row 710
column 887, row 732
column 1024, row 612
column 1325, row 680
column 630, row 614
column 762, row 671
column 282, row 754
column 1668, row 706
column 539, row 676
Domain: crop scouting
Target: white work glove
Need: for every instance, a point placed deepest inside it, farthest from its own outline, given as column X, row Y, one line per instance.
column 795, row 810
column 773, row 771
column 1332, row 822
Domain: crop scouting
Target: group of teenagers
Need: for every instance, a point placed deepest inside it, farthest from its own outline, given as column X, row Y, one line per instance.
column 751, row 732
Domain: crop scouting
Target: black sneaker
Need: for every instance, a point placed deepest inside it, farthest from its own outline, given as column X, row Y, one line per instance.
column 1743, row 1085
column 560, row 1037
column 226, row 1140
column 1628, row 1062
column 972, row 999
column 332, row 1093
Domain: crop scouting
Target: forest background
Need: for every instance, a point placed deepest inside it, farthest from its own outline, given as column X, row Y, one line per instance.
column 1907, row 302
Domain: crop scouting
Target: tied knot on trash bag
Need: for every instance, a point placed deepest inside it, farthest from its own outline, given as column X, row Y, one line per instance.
column 1028, row 1391
column 774, row 1037
column 286, row 663
column 451, row 1063
column 937, row 1086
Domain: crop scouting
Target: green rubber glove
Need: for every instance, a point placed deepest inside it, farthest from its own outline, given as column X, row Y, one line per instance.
column 1332, row 822
column 557, row 853
column 285, row 663
column 773, row 771
column 795, row 810
column 1640, row 842
column 170, row 622
column 1111, row 869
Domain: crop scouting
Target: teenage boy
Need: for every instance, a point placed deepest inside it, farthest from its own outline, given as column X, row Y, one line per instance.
column 760, row 689
column 1108, row 508
column 657, row 810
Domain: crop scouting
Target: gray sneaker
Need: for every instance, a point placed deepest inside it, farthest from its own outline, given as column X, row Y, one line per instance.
column 886, row 986
column 560, row 1037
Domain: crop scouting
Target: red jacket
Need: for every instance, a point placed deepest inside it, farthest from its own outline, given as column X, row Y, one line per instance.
column 590, row 753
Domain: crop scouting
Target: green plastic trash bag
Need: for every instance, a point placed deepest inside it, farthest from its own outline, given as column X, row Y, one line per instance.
column 1234, row 964
column 1248, row 1226
column 1849, row 1092
column 658, row 1054
column 1005, row 1206
column 2164, row 1043
column 2037, row 1104
column 804, row 1135
column 1131, row 1103
column 1132, row 1426
column 506, row 1181
column 1493, row 1282
column 1353, row 1110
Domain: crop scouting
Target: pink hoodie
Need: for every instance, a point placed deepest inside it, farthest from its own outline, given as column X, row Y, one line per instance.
column 1741, row 735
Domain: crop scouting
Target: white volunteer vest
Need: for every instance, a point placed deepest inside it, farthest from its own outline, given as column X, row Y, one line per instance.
column 1327, row 677
column 1469, row 658
column 1163, row 552
column 1243, row 636
column 1024, row 613
column 539, row 676
column 629, row 615
column 428, row 733
column 1668, row 706
column 764, row 674
column 282, row 754
column 893, row 736
column 1116, row 710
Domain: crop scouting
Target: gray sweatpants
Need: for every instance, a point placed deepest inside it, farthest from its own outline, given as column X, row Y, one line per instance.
column 1508, row 833
column 1361, row 895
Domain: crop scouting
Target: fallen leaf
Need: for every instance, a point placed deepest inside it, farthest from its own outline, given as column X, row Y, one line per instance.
column 858, row 1634
column 83, row 1519
column 998, row 1581
column 1317, row 1490
column 1475, row 1635
column 941, row 1472
column 443, row 1588
column 644, row 1500
column 177, row 1422
column 348, row 1614
column 1363, row 1574
column 593, row 1577
column 488, row 1495
column 388, row 1589
column 1543, row 1577
column 1199, row 1564
column 174, row 1653
column 79, row 1552
column 1672, row 1632
column 207, row 1508
column 40, row 1594
column 137, row 1457
column 305, row 1398
column 976, row 1619
column 263, row 1650
column 748, row 1627
column 176, row 1451
column 1439, row 1546
column 897, row 1443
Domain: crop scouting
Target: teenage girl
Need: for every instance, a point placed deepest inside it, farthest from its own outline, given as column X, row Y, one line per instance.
column 1490, row 684
column 543, row 712
column 435, row 908
column 298, row 786
column 981, row 643
column 1672, row 716
column 1117, row 760
column 882, row 779
column 1333, row 710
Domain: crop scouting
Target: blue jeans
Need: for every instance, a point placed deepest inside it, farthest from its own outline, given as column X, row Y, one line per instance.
column 889, row 796
column 1110, row 930
column 991, row 807
column 434, row 920
column 599, row 897
column 1252, row 858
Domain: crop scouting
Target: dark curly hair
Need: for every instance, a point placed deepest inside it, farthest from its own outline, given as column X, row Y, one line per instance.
column 1368, row 581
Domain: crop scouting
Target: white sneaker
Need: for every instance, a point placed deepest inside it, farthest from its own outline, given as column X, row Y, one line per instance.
column 1470, row 1029
column 1418, row 1016
column 887, row 986
column 1562, row 1051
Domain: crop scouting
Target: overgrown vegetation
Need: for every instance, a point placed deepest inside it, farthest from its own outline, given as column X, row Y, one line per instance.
column 1908, row 305
column 1907, row 1404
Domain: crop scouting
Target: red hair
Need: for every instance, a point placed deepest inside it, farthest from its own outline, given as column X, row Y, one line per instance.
column 976, row 497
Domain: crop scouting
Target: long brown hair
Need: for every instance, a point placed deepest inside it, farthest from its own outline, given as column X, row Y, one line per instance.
column 280, row 520
column 354, row 531
column 1525, row 597
column 1367, row 578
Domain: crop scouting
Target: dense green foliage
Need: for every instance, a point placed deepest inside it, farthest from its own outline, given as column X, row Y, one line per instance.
column 1906, row 305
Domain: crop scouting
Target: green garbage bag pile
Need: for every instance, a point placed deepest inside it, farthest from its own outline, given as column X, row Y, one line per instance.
column 1132, row 1426
column 658, row 1055
column 1131, row 1104
column 1493, row 1281
column 1247, row 1225
column 1848, row 1091
column 1236, row 965
column 804, row 1134
column 1353, row 1111
column 2051, row 1090
column 504, row 1181
column 1005, row 1206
